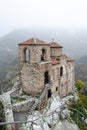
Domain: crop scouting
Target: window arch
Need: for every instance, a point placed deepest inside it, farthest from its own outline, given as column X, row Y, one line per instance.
column 27, row 55
column 61, row 71
column 43, row 55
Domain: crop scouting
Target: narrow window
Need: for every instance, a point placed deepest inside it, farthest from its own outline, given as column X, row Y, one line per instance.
column 56, row 88
column 46, row 77
column 61, row 71
column 43, row 55
column 62, row 85
column 49, row 93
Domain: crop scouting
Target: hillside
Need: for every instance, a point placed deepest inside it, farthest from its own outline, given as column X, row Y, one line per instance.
column 72, row 40
column 81, row 68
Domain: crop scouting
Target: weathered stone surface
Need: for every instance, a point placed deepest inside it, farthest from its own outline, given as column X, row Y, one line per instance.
column 54, row 103
column 60, row 68
column 66, row 113
column 24, row 105
column 85, row 121
column 65, row 125
column 50, row 118
column 6, row 101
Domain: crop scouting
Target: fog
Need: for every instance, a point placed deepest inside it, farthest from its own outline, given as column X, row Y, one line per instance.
column 49, row 14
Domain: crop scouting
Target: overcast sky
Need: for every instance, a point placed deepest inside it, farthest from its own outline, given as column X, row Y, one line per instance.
column 42, row 14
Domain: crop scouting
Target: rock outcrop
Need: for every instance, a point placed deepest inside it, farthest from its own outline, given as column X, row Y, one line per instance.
column 55, row 116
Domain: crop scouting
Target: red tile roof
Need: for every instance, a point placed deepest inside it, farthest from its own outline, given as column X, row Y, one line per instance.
column 34, row 41
column 55, row 45
column 69, row 59
column 57, row 60
column 54, row 61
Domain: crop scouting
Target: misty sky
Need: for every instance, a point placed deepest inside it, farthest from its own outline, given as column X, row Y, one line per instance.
column 42, row 14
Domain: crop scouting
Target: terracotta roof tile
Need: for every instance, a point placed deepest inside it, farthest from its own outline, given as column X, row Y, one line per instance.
column 34, row 41
column 57, row 60
column 55, row 45
column 54, row 61
column 69, row 59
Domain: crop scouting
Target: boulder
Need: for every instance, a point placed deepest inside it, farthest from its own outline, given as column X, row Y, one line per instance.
column 51, row 118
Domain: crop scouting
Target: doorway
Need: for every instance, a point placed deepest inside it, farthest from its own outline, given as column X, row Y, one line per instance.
column 49, row 93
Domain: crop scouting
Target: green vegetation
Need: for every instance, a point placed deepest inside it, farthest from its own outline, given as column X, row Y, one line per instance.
column 17, row 99
column 83, row 100
column 78, row 121
column 2, row 116
column 79, row 84
column 80, row 105
column 24, row 94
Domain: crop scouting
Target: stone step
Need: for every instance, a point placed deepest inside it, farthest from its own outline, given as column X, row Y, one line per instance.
column 39, row 100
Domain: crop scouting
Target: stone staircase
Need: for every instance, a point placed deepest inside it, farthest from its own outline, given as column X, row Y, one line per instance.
column 40, row 99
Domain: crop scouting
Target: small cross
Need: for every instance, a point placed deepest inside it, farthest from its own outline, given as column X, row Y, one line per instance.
column 52, row 39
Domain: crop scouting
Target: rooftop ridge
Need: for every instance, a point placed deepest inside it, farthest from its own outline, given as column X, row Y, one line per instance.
column 55, row 45
column 34, row 40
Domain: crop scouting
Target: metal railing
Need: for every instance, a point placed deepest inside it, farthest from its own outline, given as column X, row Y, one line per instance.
column 79, row 116
column 45, row 115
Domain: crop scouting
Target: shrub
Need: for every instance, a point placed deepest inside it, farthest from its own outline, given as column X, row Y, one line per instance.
column 79, row 84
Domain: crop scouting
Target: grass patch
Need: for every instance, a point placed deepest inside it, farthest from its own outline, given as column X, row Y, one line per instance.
column 81, row 106
column 83, row 99
column 17, row 99
column 24, row 94
column 2, row 116
column 80, row 123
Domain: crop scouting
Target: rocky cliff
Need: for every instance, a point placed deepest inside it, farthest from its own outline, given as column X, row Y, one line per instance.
column 54, row 116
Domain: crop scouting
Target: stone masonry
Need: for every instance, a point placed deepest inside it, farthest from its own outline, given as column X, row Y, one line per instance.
column 43, row 63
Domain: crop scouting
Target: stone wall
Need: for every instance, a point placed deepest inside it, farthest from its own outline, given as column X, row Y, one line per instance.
column 32, row 73
column 71, row 75
column 24, row 105
column 56, row 51
column 32, row 76
column 35, row 53
column 63, row 84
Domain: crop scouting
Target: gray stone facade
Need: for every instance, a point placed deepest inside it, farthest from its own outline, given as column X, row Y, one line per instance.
column 43, row 63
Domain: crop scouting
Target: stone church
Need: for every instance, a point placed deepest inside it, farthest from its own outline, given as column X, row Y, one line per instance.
column 44, row 65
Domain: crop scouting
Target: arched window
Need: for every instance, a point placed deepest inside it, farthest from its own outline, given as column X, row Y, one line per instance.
column 43, row 55
column 26, row 55
column 61, row 71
